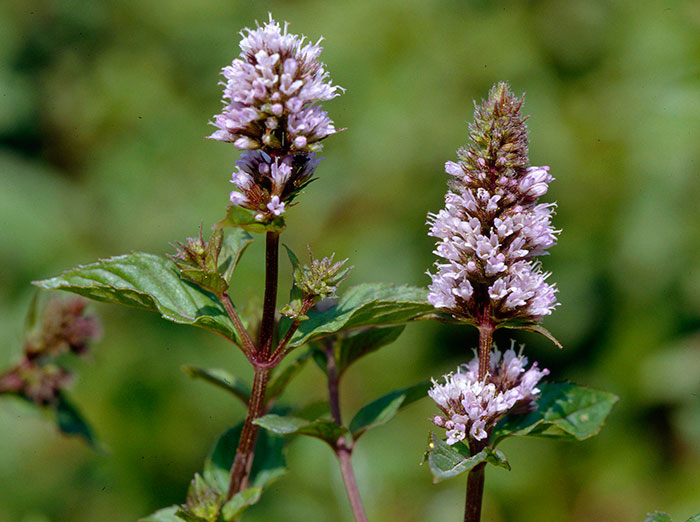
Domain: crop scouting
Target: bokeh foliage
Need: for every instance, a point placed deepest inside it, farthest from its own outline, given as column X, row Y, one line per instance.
column 103, row 110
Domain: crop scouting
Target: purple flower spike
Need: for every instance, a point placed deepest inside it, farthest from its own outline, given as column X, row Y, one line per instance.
column 492, row 227
column 267, row 185
column 272, row 91
column 472, row 407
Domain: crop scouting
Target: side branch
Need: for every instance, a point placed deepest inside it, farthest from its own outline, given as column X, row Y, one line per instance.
column 248, row 345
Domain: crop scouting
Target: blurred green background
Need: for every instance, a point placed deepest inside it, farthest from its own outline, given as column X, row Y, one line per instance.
column 103, row 110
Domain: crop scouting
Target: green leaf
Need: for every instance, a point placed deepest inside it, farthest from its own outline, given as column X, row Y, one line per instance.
column 294, row 260
column 658, row 516
column 696, row 518
column 235, row 243
column 385, row 408
column 352, row 347
column 221, row 379
column 564, row 411
column 235, row 507
column 447, row 461
column 280, row 380
column 324, row 429
column 294, row 308
column 269, row 462
column 534, row 328
column 150, row 282
column 377, row 304
column 71, row 422
column 238, row 217
column 163, row 515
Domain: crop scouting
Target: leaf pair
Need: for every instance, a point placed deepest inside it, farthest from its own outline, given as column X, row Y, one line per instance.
column 154, row 283
column 374, row 414
column 224, row 380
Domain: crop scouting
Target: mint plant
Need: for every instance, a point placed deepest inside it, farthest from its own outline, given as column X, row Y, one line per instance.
column 272, row 112
column 489, row 235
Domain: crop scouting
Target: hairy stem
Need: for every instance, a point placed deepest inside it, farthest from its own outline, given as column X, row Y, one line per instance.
column 256, row 406
column 475, row 493
column 246, row 445
column 342, row 450
column 333, row 397
column 267, row 326
column 475, row 479
column 344, row 455
column 486, row 329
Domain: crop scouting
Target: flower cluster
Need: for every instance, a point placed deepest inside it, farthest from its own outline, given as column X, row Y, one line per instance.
column 267, row 186
column 271, row 110
column 315, row 281
column 472, row 407
column 321, row 278
column 64, row 328
column 492, row 227
column 272, row 91
column 198, row 261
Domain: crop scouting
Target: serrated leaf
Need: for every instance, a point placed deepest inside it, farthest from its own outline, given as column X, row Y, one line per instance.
column 234, row 244
column 376, row 304
column 222, row 379
column 238, row 217
column 281, row 379
column 163, row 515
column 324, row 429
column 235, row 507
column 71, row 422
column 658, row 516
column 212, row 282
column 564, row 411
column 294, row 260
column 385, row 408
column 150, row 282
column 269, row 462
column 447, row 461
column 351, row 348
